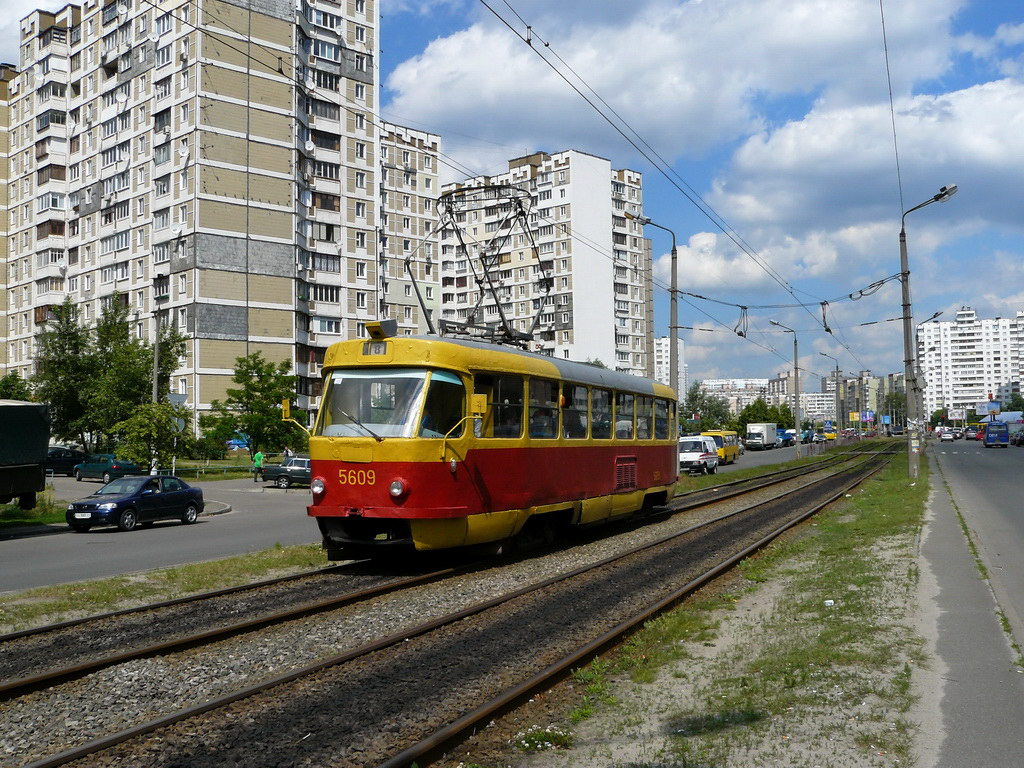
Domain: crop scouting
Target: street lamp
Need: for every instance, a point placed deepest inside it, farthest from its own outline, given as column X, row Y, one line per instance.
column 796, row 384
column 909, row 355
column 673, row 319
column 839, row 423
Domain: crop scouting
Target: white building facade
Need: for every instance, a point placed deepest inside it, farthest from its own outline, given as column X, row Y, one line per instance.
column 589, row 279
column 662, row 360
column 967, row 360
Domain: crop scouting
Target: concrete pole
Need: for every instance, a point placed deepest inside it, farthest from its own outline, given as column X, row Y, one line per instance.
column 796, row 398
column 909, row 375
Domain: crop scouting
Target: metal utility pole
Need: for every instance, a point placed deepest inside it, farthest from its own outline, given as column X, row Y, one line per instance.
column 796, row 385
column 838, row 423
column 673, row 318
column 909, row 354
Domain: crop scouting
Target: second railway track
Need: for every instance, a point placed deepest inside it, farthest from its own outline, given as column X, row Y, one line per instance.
column 596, row 602
column 38, row 658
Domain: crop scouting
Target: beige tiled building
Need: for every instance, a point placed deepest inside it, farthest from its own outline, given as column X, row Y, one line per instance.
column 219, row 165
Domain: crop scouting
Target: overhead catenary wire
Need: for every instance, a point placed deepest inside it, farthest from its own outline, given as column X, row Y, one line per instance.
column 661, row 166
column 368, row 114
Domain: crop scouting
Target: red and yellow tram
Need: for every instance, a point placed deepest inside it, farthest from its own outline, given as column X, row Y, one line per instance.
column 428, row 443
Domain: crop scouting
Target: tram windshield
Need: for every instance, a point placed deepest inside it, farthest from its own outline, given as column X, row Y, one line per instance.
column 390, row 402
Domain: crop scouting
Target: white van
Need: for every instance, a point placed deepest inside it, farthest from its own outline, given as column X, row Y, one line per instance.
column 698, row 454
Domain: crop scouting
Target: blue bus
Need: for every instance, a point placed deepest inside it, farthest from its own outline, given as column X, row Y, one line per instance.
column 997, row 433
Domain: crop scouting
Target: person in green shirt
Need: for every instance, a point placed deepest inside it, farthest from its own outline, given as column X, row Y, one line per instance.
column 257, row 467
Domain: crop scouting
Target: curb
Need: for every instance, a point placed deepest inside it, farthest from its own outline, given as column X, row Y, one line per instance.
column 46, row 529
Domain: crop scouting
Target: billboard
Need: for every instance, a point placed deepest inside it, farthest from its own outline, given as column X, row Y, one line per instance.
column 854, row 416
column 985, row 407
column 958, row 414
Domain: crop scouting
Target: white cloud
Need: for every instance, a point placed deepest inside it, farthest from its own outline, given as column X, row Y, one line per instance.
column 688, row 76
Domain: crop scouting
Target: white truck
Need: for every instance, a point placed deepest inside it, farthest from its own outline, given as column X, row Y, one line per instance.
column 761, row 437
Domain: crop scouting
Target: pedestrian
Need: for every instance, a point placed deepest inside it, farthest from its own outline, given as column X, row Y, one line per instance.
column 257, row 467
column 288, row 452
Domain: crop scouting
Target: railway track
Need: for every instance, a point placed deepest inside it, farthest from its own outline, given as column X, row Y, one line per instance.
column 490, row 653
column 37, row 658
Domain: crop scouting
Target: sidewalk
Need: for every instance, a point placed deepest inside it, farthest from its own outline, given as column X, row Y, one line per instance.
column 975, row 683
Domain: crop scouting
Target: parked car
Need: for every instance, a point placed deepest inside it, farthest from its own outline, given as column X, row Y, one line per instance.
column 294, row 471
column 130, row 501
column 62, row 461
column 105, row 466
column 818, row 437
column 698, row 454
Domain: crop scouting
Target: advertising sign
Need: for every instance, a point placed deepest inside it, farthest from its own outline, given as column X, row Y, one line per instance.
column 867, row 416
column 958, row 414
column 854, row 416
column 886, row 419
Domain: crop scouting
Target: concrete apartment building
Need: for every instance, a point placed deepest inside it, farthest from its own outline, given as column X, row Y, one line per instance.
column 590, row 277
column 966, row 360
column 738, row 393
column 662, row 358
column 218, row 165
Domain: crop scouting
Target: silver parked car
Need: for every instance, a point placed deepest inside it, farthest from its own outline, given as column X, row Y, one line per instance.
column 698, row 454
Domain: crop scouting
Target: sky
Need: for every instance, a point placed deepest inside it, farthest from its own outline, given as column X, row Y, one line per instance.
column 775, row 116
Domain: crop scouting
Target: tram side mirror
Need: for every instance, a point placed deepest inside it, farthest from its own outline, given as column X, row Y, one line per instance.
column 286, row 410
column 477, row 406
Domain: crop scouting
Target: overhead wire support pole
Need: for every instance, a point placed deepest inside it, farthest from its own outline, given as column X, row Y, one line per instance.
column 914, row 416
column 796, row 384
column 673, row 292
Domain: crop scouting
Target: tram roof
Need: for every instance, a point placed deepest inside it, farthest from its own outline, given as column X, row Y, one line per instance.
column 584, row 373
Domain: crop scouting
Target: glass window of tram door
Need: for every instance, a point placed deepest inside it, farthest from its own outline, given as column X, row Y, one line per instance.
column 543, row 408
column 623, row 416
column 661, row 419
column 444, row 407
column 574, row 412
column 601, row 414
column 644, row 418
column 504, row 417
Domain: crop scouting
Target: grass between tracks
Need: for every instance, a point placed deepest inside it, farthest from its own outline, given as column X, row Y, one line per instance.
column 806, row 661
column 46, row 605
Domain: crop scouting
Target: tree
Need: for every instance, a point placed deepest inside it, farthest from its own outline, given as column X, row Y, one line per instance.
column 152, row 432
column 895, row 404
column 254, row 408
column 938, row 417
column 709, row 411
column 1013, row 403
column 755, row 413
column 64, row 372
column 13, row 387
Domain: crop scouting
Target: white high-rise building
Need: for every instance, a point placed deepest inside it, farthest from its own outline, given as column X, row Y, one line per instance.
column 967, row 360
column 587, row 284
column 662, row 358
column 738, row 393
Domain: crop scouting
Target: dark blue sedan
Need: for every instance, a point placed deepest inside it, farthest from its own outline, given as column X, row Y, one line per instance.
column 136, row 500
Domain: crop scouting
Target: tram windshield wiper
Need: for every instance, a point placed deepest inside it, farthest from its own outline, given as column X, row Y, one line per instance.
column 358, row 423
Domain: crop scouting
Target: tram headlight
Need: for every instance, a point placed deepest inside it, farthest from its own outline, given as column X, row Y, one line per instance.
column 397, row 488
column 317, row 486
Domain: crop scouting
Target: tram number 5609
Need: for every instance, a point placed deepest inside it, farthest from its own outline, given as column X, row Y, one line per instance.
column 357, row 476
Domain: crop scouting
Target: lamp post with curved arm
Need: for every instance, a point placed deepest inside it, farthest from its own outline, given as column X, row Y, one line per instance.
column 673, row 319
column 838, row 420
column 909, row 354
column 796, row 384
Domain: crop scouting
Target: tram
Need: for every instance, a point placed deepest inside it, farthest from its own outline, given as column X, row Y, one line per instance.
column 430, row 443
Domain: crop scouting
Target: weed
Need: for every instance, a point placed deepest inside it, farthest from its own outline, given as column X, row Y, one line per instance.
column 537, row 739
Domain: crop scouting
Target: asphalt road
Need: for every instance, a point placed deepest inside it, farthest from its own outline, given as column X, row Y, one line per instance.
column 772, row 456
column 262, row 516
column 988, row 484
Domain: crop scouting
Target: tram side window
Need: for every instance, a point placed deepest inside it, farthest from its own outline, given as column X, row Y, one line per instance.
column 574, row 411
column 623, row 416
column 601, row 414
column 543, row 408
column 644, row 416
column 661, row 419
column 445, row 405
column 504, row 416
